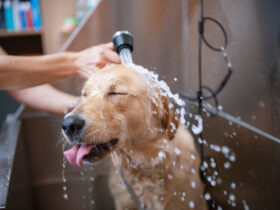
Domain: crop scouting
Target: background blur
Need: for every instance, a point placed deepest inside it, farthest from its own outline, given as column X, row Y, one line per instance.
column 165, row 34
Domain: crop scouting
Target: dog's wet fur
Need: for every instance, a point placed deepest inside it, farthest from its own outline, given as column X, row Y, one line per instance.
column 159, row 161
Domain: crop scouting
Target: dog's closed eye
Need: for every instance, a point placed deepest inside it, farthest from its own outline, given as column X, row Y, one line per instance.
column 113, row 93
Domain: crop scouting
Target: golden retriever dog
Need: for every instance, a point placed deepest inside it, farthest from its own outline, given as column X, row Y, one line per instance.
column 121, row 115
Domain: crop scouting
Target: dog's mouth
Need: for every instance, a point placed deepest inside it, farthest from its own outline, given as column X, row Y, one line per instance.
column 90, row 152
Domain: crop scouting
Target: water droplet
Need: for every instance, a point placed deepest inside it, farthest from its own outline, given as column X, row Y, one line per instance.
column 216, row 173
column 225, row 150
column 65, row 196
column 232, row 158
column 193, row 184
column 177, row 151
column 233, row 186
column 245, row 205
column 207, row 196
column 191, row 204
column 170, row 176
column 161, row 154
column 215, row 147
column 192, row 156
column 205, row 164
column 227, row 165
column 197, row 129
column 213, row 183
column 232, row 197
column 213, row 165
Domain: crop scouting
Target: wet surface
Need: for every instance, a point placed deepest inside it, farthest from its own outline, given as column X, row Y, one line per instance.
column 8, row 142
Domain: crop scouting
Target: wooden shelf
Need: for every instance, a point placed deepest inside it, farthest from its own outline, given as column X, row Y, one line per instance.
column 4, row 33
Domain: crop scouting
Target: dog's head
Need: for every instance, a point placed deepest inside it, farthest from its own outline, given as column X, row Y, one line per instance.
column 117, row 109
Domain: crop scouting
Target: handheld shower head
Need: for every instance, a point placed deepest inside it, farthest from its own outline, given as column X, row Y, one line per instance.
column 121, row 40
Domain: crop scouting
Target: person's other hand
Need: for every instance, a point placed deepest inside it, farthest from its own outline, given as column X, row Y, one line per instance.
column 94, row 58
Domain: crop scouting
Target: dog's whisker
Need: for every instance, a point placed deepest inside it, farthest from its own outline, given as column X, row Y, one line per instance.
column 114, row 160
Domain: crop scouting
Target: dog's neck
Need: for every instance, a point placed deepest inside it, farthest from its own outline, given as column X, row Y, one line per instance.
column 147, row 157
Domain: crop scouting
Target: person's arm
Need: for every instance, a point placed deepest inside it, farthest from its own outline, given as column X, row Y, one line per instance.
column 18, row 72
column 44, row 98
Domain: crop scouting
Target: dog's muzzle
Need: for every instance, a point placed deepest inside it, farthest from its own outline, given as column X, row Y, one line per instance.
column 72, row 126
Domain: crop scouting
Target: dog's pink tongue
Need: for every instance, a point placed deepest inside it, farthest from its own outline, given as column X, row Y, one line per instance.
column 76, row 153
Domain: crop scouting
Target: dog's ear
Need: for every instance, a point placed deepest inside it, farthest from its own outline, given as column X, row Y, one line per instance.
column 167, row 117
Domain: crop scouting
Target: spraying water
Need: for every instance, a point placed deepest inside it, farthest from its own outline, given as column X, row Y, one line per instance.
column 64, row 187
column 126, row 56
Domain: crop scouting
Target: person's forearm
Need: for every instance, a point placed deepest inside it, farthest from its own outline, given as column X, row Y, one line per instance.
column 44, row 98
column 21, row 72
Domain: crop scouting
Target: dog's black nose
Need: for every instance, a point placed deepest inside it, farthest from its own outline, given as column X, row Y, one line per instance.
column 73, row 125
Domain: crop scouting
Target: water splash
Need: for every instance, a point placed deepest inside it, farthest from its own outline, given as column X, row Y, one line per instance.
column 64, row 187
column 153, row 81
column 197, row 129
column 155, row 84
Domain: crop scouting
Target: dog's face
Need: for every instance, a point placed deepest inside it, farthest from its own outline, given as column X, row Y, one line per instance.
column 116, row 110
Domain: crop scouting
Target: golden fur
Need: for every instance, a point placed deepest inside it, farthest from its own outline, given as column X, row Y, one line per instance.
column 160, row 163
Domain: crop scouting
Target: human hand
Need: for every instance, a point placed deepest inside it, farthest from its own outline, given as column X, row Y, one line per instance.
column 94, row 58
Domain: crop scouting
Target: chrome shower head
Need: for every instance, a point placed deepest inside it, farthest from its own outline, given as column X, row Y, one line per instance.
column 121, row 40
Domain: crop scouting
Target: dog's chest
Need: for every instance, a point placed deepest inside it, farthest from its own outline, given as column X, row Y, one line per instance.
column 150, row 190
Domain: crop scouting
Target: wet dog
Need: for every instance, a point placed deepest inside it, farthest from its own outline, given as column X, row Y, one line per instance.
column 121, row 115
